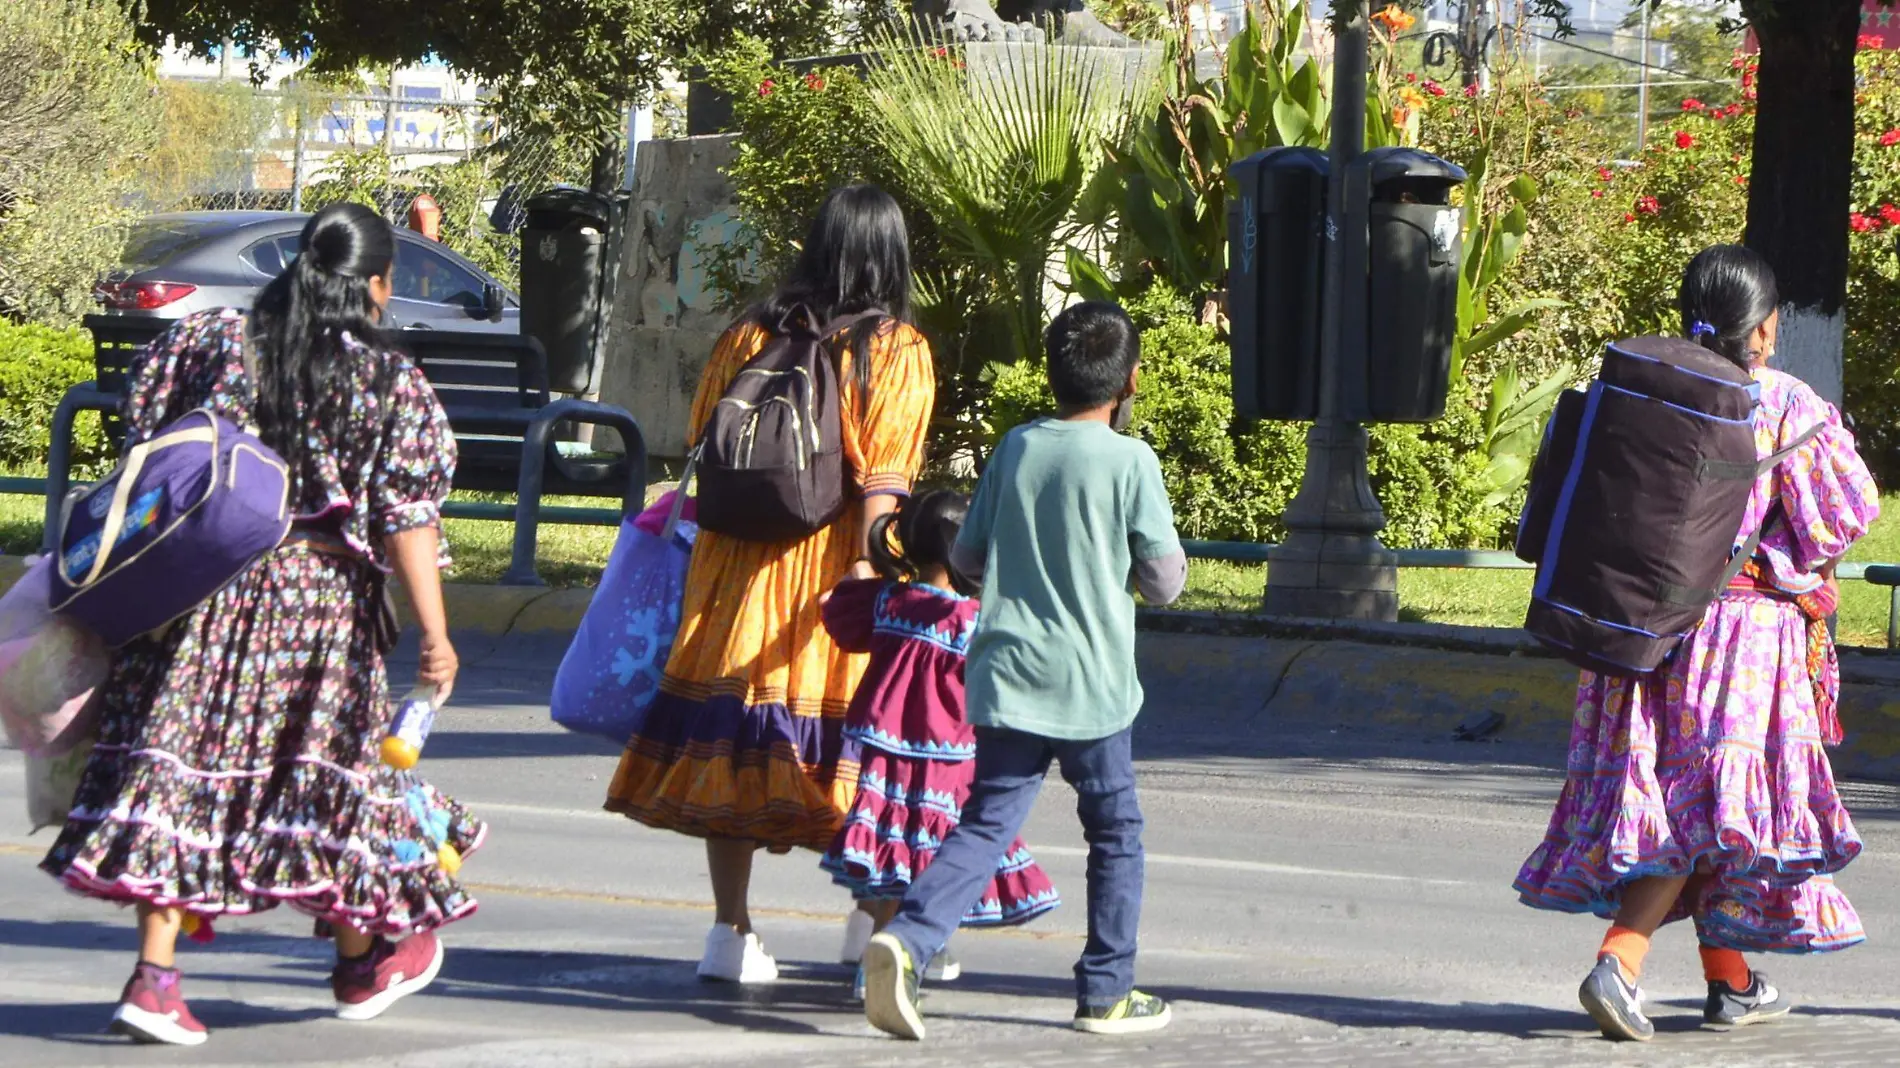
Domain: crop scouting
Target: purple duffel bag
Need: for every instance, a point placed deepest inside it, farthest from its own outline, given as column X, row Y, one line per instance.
column 186, row 512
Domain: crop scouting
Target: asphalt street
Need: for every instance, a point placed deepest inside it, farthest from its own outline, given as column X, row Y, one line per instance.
column 1313, row 897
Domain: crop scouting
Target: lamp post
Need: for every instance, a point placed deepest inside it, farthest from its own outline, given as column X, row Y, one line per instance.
column 1332, row 564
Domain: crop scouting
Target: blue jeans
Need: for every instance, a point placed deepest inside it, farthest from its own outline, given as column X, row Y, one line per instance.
column 1010, row 767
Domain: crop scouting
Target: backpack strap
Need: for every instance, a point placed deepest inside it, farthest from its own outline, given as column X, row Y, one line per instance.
column 1746, row 551
column 845, row 322
column 1753, row 542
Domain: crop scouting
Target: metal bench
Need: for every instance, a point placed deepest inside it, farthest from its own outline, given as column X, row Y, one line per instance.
column 494, row 388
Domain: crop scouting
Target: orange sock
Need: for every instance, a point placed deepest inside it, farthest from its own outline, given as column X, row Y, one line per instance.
column 1727, row 966
column 1629, row 948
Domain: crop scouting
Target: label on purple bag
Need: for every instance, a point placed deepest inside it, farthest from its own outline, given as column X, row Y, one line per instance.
column 140, row 514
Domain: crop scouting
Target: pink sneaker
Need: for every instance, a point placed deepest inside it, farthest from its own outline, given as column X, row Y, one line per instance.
column 393, row 970
column 153, row 1009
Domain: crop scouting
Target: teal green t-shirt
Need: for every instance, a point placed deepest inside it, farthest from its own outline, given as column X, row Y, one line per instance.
column 1062, row 513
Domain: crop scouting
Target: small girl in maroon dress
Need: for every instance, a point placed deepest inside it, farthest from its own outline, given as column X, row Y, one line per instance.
column 906, row 718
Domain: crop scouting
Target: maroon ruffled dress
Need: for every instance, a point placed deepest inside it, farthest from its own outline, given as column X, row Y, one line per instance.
column 918, row 753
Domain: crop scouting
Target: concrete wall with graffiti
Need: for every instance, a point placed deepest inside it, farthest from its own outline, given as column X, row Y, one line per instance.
column 666, row 314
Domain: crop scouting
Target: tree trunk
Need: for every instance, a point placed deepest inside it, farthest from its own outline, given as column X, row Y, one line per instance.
column 1800, row 189
column 610, row 156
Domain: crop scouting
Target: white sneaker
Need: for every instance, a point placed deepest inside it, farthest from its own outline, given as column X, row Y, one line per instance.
column 944, row 968
column 857, row 935
column 735, row 958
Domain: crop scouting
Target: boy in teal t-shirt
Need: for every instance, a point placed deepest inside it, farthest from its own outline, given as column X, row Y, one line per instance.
column 1068, row 516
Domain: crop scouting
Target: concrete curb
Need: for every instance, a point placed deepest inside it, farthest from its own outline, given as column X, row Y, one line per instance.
column 1249, row 674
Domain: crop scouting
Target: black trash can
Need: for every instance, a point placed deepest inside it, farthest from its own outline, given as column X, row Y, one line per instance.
column 1412, row 298
column 563, row 250
column 1276, row 257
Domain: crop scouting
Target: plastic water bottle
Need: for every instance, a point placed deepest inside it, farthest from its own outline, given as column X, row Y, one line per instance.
column 402, row 747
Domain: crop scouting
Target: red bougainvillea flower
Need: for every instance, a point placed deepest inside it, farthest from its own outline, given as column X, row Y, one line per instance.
column 1628, row 218
column 1411, row 78
column 814, row 82
column 941, row 53
column 1433, row 88
column 1862, row 224
column 1648, row 206
column 1890, row 138
column 1740, row 61
column 1741, row 179
column 1605, row 173
column 1890, row 214
column 1471, row 92
column 766, row 87
column 1869, row 40
column 1750, row 95
column 1597, row 193
column 1692, row 104
column 1685, row 139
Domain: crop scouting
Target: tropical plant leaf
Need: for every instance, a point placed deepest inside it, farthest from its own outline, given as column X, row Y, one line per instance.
column 1087, row 279
column 1291, row 121
column 1508, row 325
column 1002, row 151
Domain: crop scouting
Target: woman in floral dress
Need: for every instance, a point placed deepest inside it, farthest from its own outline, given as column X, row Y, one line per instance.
column 1702, row 790
column 237, row 763
column 745, row 744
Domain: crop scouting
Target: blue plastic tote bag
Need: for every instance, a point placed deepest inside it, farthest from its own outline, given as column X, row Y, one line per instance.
column 611, row 672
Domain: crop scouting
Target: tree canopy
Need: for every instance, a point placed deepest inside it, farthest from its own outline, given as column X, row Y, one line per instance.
column 580, row 62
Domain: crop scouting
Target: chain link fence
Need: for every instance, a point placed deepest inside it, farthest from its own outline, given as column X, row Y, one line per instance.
column 231, row 147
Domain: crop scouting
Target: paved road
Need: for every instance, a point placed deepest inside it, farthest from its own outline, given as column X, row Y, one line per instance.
column 1305, row 906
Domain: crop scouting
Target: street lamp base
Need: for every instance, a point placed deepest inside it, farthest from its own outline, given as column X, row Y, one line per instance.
column 1332, row 565
column 1343, row 576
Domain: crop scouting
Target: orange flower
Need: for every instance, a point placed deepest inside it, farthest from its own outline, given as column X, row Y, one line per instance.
column 1395, row 19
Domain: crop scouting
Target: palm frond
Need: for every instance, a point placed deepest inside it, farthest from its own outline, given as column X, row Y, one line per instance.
column 1000, row 142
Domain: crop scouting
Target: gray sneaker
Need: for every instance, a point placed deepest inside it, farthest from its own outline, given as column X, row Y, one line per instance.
column 1138, row 1013
column 1615, row 1004
column 1761, row 1001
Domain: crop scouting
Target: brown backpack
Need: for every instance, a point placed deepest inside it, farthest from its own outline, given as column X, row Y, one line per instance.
column 770, row 460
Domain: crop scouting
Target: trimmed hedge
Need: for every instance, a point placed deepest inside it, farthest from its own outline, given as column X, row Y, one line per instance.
column 37, row 364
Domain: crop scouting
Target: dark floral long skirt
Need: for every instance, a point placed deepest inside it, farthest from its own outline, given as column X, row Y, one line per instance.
column 238, row 766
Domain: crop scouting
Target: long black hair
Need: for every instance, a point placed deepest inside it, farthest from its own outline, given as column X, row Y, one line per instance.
column 306, row 379
column 926, row 526
column 856, row 257
column 1727, row 292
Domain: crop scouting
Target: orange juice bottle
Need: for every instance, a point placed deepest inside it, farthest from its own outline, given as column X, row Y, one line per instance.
column 402, row 747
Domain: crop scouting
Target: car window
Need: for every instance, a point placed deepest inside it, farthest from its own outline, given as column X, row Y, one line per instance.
column 153, row 242
column 272, row 255
column 426, row 275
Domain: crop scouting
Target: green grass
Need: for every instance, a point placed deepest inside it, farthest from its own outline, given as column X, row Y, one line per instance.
column 574, row 556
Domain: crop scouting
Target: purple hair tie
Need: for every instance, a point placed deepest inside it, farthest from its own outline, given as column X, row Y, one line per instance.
column 1700, row 328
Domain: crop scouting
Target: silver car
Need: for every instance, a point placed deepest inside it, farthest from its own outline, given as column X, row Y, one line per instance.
column 190, row 261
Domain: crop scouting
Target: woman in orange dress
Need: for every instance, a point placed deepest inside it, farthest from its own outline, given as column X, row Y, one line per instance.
column 745, row 744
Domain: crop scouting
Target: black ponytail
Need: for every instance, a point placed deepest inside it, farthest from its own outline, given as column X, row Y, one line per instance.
column 1727, row 292
column 926, row 527
column 306, row 380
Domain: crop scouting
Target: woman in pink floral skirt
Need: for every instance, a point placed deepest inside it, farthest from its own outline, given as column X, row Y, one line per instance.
column 1702, row 790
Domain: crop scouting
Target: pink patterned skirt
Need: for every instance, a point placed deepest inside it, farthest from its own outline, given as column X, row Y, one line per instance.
column 1712, row 765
